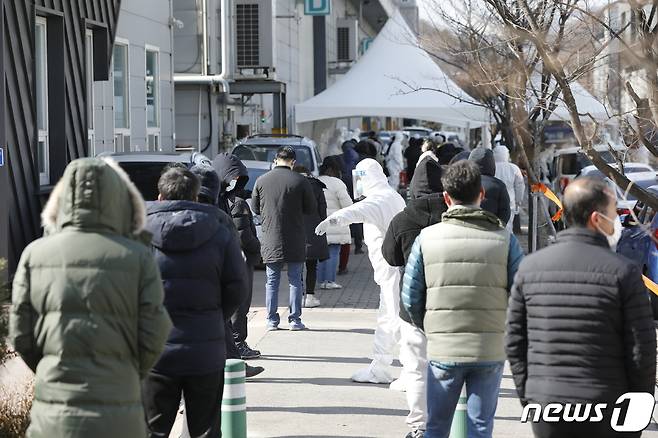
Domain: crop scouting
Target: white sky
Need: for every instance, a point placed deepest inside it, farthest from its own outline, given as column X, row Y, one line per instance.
column 422, row 8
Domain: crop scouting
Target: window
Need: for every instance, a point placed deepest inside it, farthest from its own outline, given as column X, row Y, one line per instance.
column 89, row 60
column 121, row 75
column 152, row 88
column 152, row 98
column 41, row 88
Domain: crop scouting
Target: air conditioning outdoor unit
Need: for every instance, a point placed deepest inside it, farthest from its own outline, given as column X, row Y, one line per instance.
column 347, row 45
column 253, row 39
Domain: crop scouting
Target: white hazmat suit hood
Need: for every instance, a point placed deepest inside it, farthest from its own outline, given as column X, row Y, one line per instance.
column 501, row 154
column 395, row 160
column 375, row 211
column 511, row 175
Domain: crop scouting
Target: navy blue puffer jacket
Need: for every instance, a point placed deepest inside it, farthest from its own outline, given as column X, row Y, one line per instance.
column 203, row 273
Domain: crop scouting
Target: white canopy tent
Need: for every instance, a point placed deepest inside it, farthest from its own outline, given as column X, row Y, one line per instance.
column 382, row 84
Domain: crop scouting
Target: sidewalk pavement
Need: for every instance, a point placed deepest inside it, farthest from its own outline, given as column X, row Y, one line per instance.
column 306, row 389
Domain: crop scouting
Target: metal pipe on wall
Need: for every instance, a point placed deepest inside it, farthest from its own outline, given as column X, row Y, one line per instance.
column 220, row 79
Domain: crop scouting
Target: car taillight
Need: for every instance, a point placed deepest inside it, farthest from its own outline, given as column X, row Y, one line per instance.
column 564, row 182
column 623, row 211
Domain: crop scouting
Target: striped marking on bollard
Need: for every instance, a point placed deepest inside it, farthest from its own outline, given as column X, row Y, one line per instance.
column 234, row 402
column 459, row 420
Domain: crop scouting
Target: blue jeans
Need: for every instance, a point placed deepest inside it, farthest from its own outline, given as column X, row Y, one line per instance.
column 327, row 269
column 273, row 273
column 444, row 384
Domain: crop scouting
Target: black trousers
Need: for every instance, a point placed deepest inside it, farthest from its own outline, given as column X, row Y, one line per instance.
column 161, row 396
column 311, row 276
column 232, row 351
column 357, row 235
column 239, row 318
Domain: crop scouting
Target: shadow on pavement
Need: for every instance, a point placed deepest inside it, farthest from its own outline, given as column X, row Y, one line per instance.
column 357, row 331
column 322, row 381
column 319, row 359
column 516, row 419
column 322, row 436
column 508, row 393
column 319, row 436
column 330, row 410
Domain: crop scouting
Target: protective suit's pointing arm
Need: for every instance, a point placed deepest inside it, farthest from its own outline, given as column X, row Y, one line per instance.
column 359, row 212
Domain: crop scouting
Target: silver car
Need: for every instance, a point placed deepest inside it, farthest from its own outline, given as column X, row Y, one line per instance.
column 263, row 147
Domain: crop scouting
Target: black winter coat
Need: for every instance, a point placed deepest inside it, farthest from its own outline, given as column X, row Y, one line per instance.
column 496, row 199
column 282, row 197
column 423, row 209
column 407, row 225
column 204, row 279
column 316, row 246
column 426, row 179
column 412, row 153
column 234, row 203
column 579, row 324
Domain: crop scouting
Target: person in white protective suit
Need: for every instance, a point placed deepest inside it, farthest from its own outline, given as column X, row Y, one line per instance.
column 394, row 160
column 511, row 175
column 375, row 211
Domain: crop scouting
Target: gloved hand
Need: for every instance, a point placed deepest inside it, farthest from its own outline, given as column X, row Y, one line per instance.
column 331, row 220
column 321, row 229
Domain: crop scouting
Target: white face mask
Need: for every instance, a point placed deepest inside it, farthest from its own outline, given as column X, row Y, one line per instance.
column 357, row 182
column 231, row 185
column 613, row 238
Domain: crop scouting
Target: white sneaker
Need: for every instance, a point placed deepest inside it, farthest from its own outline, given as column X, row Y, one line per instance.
column 399, row 385
column 332, row 285
column 372, row 374
column 323, row 285
column 310, row 301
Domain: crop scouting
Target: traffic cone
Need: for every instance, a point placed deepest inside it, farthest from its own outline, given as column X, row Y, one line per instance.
column 458, row 427
column 234, row 402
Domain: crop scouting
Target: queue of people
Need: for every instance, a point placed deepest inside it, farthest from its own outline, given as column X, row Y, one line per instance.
column 457, row 295
column 469, row 301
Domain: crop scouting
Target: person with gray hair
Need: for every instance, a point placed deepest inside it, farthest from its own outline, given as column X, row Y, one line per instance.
column 579, row 323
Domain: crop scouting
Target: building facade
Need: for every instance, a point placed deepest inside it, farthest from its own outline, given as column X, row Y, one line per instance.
column 47, row 55
column 134, row 110
column 280, row 56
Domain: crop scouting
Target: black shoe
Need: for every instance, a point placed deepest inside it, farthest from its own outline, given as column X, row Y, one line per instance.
column 358, row 250
column 343, row 271
column 253, row 371
column 246, row 352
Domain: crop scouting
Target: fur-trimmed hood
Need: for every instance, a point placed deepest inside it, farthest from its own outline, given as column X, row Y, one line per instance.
column 95, row 193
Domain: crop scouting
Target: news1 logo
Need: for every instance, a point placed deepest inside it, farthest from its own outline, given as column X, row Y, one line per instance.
column 630, row 413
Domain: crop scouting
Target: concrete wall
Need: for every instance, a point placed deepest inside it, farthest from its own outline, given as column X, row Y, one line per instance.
column 141, row 23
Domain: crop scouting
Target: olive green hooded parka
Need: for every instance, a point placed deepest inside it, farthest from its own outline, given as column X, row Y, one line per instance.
column 87, row 313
